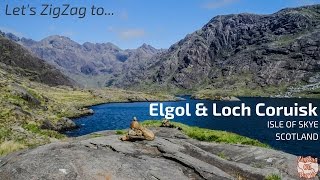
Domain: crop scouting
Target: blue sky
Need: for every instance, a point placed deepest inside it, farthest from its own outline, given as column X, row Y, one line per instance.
column 155, row 22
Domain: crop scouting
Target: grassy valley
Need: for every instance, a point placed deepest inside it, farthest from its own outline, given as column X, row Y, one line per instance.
column 27, row 105
column 37, row 100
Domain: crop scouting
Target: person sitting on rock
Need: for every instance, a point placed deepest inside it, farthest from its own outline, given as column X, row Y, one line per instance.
column 138, row 132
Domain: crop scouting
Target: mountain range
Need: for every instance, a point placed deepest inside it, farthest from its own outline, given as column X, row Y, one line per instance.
column 92, row 64
column 243, row 53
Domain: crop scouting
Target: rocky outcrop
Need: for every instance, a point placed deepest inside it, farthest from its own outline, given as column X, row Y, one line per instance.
column 24, row 94
column 63, row 124
column 171, row 154
column 241, row 50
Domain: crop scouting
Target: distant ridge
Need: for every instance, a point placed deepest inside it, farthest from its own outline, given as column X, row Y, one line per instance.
column 16, row 59
column 92, row 64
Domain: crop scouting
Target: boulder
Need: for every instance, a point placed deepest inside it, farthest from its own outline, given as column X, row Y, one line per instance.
column 170, row 155
column 46, row 124
column 24, row 94
column 86, row 111
column 65, row 124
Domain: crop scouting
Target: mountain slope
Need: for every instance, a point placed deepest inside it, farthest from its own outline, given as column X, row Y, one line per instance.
column 243, row 51
column 90, row 64
column 18, row 60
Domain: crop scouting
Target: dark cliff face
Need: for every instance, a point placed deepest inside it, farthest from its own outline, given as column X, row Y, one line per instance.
column 256, row 50
column 15, row 59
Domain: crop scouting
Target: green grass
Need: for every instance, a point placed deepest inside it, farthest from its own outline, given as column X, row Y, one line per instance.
column 239, row 86
column 309, row 94
column 4, row 132
column 121, row 132
column 37, row 130
column 208, row 135
column 273, row 177
column 222, row 155
column 285, row 40
column 239, row 92
column 7, row 147
column 94, row 135
column 153, row 88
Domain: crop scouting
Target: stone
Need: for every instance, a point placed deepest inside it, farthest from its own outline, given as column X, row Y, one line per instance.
column 167, row 156
column 24, row 94
column 65, row 124
column 166, row 123
column 46, row 124
column 86, row 111
column 138, row 132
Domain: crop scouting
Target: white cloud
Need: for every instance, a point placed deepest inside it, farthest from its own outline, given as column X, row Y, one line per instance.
column 124, row 15
column 127, row 33
column 131, row 34
column 214, row 4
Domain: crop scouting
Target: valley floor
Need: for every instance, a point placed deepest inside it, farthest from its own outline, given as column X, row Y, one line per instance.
column 32, row 113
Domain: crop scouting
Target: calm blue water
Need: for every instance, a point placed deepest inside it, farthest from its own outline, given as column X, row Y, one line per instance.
column 118, row 116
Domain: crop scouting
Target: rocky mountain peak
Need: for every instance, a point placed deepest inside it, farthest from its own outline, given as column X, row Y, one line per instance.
column 12, row 37
column 147, row 48
column 243, row 51
column 57, row 38
column 59, row 42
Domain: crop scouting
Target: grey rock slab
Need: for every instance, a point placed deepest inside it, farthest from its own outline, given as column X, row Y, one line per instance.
column 170, row 156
